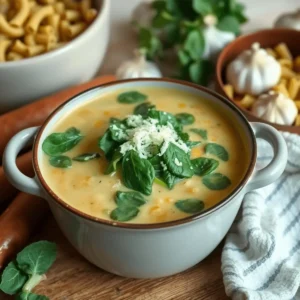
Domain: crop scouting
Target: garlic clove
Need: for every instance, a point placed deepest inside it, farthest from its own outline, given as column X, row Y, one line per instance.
column 275, row 108
column 254, row 71
column 289, row 20
column 138, row 67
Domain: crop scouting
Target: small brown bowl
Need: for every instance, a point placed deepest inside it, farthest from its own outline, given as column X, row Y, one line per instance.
column 267, row 38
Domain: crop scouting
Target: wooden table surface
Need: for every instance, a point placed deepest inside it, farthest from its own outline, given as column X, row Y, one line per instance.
column 72, row 277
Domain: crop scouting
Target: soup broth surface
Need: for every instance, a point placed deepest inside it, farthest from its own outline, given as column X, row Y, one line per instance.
column 85, row 187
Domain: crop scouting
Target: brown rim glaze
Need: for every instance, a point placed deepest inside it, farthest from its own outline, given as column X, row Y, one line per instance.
column 266, row 38
column 155, row 225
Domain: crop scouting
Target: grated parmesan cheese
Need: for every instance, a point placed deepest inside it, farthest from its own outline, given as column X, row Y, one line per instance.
column 147, row 134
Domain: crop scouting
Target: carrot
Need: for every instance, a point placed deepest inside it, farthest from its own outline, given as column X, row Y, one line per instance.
column 35, row 113
column 17, row 224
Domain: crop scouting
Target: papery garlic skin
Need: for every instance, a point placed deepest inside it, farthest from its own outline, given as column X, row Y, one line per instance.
column 275, row 108
column 215, row 39
column 289, row 20
column 253, row 72
column 138, row 67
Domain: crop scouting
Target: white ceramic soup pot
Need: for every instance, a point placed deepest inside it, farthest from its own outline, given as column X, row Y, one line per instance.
column 26, row 80
column 146, row 250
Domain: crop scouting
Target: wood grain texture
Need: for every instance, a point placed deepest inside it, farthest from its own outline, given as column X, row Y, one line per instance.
column 73, row 278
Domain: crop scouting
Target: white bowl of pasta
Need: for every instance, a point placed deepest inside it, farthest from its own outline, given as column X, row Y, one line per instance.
column 48, row 45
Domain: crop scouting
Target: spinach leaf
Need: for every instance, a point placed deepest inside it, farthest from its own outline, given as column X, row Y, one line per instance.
column 124, row 213
column 149, row 42
column 201, row 132
column 201, row 71
column 58, row 143
column 192, row 144
column 30, row 296
column 131, row 97
column 118, row 132
column 169, row 178
column 185, row 118
column 203, row 7
column 61, row 161
column 142, row 109
column 156, row 163
column 86, row 156
column 160, row 182
column 190, row 206
column 37, row 258
column 216, row 181
column 183, row 135
column 164, row 118
column 178, row 162
column 203, row 166
column 12, row 279
column 194, row 44
column 116, row 158
column 130, row 199
column 138, row 173
column 229, row 23
column 217, row 150
column 107, row 144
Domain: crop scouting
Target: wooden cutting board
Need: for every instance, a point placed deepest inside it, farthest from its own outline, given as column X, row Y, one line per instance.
column 72, row 277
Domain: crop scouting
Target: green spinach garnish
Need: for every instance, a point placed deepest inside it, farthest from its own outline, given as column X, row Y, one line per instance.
column 86, row 156
column 142, row 109
column 23, row 274
column 216, row 181
column 138, row 173
column 217, row 150
column 59, row 143
column 131, row 97
column 190, row 206
column 60, row 161
column 128, row 206
column 201, row 132
column 185, row 118
column 107, row 144
column 204, row 166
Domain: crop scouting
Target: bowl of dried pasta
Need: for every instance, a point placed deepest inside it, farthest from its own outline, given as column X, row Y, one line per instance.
column 260, row 73
column 48, row 45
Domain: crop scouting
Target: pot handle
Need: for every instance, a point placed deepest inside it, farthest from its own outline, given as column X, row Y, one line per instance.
column 275, row 168
column 16, row 178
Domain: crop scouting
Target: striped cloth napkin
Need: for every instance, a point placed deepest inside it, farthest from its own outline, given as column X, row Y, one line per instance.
column 261, row 256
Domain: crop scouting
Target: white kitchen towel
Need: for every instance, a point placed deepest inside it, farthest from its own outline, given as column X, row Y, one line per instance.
column 261, row 255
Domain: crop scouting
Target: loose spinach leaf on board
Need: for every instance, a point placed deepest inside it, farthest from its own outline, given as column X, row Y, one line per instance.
column 61, row 161
column 216, row 181
column 204, row 166
column 107, row 144
column 37, row 258
column 30, row 296
column 217, row 150
column 190, row 206
column 185, row 118
column 178, row 162
column 116, row 158
column 131, row 97
column 201, row 132
column 130, row 199
column 124, row 213
column 58, row 143
column 142, row 109
column 12, row 279
column 86, row 156
column 137, row 173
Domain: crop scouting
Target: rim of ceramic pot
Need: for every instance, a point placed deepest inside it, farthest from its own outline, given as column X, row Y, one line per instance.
column 69, row 46
column 187, row 219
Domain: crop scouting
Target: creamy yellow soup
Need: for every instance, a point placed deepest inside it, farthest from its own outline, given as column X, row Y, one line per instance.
column 85, row 187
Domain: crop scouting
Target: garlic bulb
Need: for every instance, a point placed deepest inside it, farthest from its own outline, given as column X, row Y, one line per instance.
column 289, row 20
column 138, row 67
column 215, row 39
column 276, row 108
column 143, row 14
column 253, row 72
